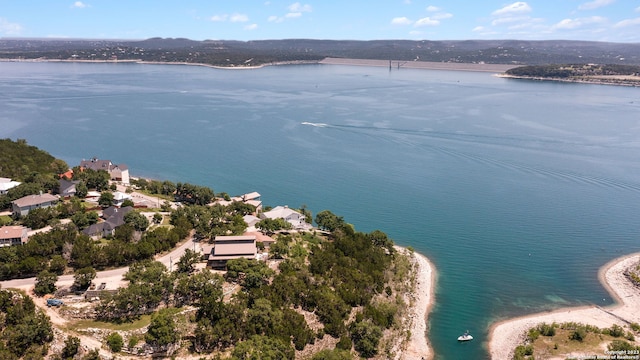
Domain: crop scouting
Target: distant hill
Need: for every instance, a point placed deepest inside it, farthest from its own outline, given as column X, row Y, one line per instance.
column 243, row 53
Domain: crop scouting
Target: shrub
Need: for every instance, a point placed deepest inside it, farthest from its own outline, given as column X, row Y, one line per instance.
column 115, row 342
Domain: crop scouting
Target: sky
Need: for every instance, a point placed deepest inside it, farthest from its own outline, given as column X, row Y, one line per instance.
column 597, row 20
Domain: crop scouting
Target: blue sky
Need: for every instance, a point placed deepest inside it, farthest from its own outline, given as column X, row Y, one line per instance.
column 600, row 20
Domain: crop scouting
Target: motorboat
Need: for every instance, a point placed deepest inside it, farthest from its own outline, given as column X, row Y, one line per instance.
column 465, row 337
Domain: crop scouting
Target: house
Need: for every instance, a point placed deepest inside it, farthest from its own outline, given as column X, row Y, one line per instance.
column 6, row 185
column 251, row 220
column 13, row 235
column 116, row 172
column 227, row 248
column 250, row 198
column 293, row 217
column 120, row 197
column 67, row 188
column 25, row 204
column 267, row 241
column 113, row 217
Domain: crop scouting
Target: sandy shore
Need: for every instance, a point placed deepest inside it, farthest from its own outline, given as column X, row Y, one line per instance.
column 506, row 335
column 418, row 347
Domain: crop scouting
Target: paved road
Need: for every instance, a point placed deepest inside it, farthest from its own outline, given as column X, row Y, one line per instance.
column 113, row 278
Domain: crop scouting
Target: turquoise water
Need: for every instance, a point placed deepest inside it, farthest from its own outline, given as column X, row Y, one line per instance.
column 517, row 191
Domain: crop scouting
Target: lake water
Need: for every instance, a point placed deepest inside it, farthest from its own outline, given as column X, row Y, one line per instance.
column 518, row 191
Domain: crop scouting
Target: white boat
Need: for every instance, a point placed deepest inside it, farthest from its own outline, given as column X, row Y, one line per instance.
column 465, row 337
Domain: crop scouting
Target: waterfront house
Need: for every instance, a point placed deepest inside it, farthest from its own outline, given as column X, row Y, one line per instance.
column 293, row 217
column 113, row 217
column 13, row 235
column 25, row 204
column 227, row 248
column 118, row 172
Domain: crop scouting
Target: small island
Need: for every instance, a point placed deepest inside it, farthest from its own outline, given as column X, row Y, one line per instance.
column 626, row 75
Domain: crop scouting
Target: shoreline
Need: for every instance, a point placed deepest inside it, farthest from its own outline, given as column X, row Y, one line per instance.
column 418, row 346
column 595, row 81
column 395, row 64
column 505, row 335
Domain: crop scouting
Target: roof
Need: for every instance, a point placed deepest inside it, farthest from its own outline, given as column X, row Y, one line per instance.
column 231, row 257
column 31, row 200
column 96, row 164
column 261, row 237
column 94, row 229
column 65, row 185
column 250, row 196
column 280, row 212
column 12, row 232
column 112, row 211
column 6, row 185
column 234, row 245
column 118, row 196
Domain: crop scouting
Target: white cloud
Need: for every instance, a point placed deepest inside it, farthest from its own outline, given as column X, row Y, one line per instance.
column 220, row 17
column 293, row 15
column 79, row 5
column 510, row 19
column 432, row 8
column 251, row 27
column 299, row 8
column 627, row 22
column 442, row 16
column 9, row 28
column 401, row 21
column 595, row 4
column 238, row 18
column 275, row 19
column 515, row 8
column 232, row 18
column 478, row 29
column 426, row 21
column 568, row 24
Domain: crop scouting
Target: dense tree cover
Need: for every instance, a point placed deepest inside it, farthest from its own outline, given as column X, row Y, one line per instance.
column 327, row 220
column 18, row 161
column 71, row 347
column 91, row 179
column 210, row 221
column 264, row 348
column 24, row 331
column 573, row 70
column 193, row 194
column 136, row 220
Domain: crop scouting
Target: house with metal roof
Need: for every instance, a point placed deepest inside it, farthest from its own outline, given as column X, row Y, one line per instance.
column 25, row 204
column 227, row 248
column 293, row 217
column 7, row 184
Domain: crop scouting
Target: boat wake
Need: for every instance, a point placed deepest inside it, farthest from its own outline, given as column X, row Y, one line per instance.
column 314, row 124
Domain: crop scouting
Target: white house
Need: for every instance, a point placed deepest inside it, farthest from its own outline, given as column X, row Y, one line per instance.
column 293, row 217
column 6, row 184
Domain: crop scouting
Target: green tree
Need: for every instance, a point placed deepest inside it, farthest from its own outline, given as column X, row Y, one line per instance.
column 83, row 277
column 329, row 221
column 188, row 261
column 81, row 190
column 335, row 354
column 157, row 218
column 162, row 330
column 115, row 342
column 38, row 218
column 106, row 199
column 270, row 226
column 138, row 221
column 262, row 348
column 45, row 283
column 57, row 264
column 127, row 202
column 71, row 347
column 366, row 337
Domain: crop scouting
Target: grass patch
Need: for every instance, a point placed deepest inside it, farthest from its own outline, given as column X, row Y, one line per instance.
column 5, row 220
column 144, row 320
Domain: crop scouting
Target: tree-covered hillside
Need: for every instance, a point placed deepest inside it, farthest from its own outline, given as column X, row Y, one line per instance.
column 18, row 160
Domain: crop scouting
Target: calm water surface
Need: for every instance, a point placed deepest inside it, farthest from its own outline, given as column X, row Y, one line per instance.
column 517, row 191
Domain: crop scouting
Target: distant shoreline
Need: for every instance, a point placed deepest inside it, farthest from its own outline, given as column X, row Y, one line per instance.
column 394, row 64
column 505, row 335
column 630, row 81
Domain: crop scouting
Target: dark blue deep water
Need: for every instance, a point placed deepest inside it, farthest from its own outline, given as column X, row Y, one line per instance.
column 518, row 191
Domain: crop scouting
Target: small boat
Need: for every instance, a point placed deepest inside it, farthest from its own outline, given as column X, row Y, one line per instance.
column 465, row 337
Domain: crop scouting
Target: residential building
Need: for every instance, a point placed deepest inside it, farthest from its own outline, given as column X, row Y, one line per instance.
column 120, row 197
column 293, row 217
column 25, row 204
column 118, row 172
column 13, row 235
column 67, row 188
column 113, row 217
column 6, row 185
column 227, row 248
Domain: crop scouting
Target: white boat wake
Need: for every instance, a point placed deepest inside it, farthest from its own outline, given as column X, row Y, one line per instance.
column 314, row 124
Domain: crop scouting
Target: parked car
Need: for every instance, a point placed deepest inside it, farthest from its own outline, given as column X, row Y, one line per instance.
column 54, row 302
